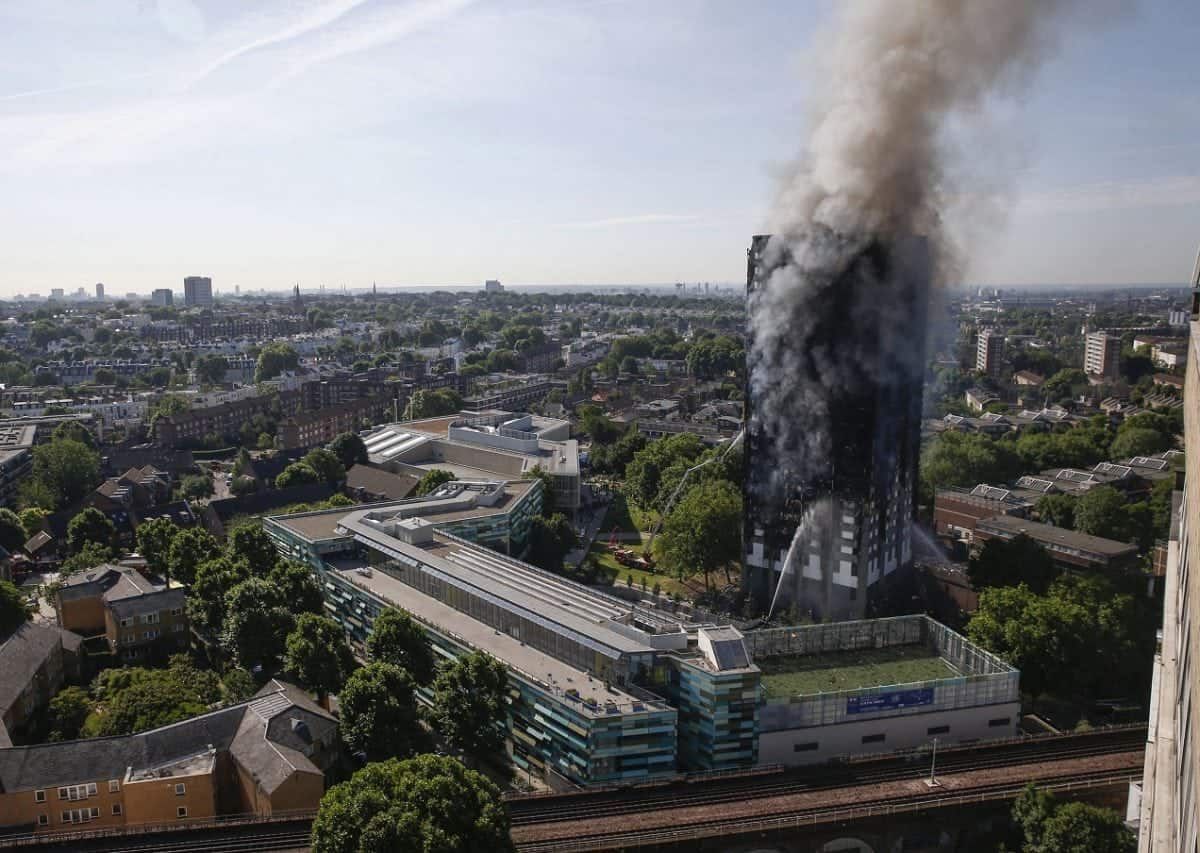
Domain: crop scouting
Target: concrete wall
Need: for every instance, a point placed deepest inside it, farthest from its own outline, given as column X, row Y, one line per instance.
column 905, row 732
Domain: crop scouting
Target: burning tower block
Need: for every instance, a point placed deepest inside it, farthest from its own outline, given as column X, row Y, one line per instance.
column 836, row 359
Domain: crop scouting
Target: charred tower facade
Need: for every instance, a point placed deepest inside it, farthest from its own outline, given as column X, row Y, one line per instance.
column 833, row 413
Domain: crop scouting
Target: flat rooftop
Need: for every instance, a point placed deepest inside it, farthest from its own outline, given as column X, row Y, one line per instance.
column 571, row 609
column 323, row 525
column 1010, row 526
column 830, row 672
column 559, row 677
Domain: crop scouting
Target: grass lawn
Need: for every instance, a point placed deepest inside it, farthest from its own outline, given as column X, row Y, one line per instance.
column 799, row 675
column 617, row 573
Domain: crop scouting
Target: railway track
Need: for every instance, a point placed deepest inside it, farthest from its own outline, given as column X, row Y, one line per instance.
column 585, row 806
column 886, row 806
column 277, row 841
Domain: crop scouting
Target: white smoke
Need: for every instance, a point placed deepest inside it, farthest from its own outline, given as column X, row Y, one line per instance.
column 872, row 174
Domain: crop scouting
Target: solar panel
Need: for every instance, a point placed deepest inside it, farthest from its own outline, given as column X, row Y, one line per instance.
column 730, row 654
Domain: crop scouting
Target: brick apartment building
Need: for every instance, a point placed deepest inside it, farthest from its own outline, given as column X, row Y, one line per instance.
column 1070, row 550
column 138, row 617
column 956, row 512
column 267, row 755
column 35, row 661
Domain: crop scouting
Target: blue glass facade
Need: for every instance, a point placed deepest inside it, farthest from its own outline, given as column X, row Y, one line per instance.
column 718, row 713
column 589, row 745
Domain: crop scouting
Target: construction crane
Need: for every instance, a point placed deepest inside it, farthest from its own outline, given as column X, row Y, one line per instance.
column 737, row 439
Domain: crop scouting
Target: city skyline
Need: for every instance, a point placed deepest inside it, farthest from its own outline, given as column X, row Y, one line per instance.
column 443, row 143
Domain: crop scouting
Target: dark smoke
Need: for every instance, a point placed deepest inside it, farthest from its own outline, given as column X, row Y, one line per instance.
column 858, row 224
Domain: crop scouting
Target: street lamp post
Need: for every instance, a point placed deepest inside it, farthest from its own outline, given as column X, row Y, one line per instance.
column 932, row 781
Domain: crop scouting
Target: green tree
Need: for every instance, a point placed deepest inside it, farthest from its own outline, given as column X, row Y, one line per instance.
column 349, row 449
column 257, row 622
column 1058, row 510
column 428, row 803
column 1160, row 506
column 68, row 711
column 33, row 519
column 298, row 587
column 703, row 533
column 430, row 480
column 966, row 459
column 274, row 359
column 1050, row 826
column 196, row 487
column 537, row 472
column 1100, row 511
column 210, row 369
column 249, row 543
column 14, row 609
column 12, row 531
column 379, row 713
column 1019, row 560
column 67, row 469
column 190, row 547
column 155, row 699
column 433, row 404
column 90, row 525
column 397, row 639
column 550, row 539
column 327, row 465
column 1062, row 386
column 206, row 595
column 469, row 706
column 239, row 686
column 92, row 554
column 1139, row 442
column 317, row 654
column 154, row 539
column 296, row 474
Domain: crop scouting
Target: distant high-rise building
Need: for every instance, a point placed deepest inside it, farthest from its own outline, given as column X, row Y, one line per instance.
column 1101, row 355
column 493, row 286
column 1166, row 802
column 197, row 290
column 56, row 293
column 989, row 351
column 162, row 296
column 1177, row 316
column 857, row 499
column 99, row 290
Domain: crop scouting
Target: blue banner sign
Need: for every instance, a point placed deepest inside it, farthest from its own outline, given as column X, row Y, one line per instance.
column 889, row 701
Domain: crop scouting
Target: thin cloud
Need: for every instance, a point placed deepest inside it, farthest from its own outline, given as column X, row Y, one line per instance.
column 316, row 18
column 1168, row 191
column 387, row 26
column 71, row 87
column 638, row 219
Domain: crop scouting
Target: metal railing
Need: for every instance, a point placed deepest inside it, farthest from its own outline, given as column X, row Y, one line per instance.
column 182, row 825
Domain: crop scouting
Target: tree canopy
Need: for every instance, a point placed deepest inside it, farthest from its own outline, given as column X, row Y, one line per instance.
column 469, row 708
column 154, row 539
column 90, row 525
column 1051, row 826
column 64, row 470
column 396, row 639
column 430, row 480
column 1020, row 560
column 428, row 803
column 349, row 449
column 14, row 609
column 379, row 713
column 703, row 532
column 188, row 549
column 317, row 654
column 274, row 359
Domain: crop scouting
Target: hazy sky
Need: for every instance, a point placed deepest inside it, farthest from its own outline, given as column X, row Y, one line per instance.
column 448, row 141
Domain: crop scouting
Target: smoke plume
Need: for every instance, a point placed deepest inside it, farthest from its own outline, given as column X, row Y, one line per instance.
column 860, row 213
